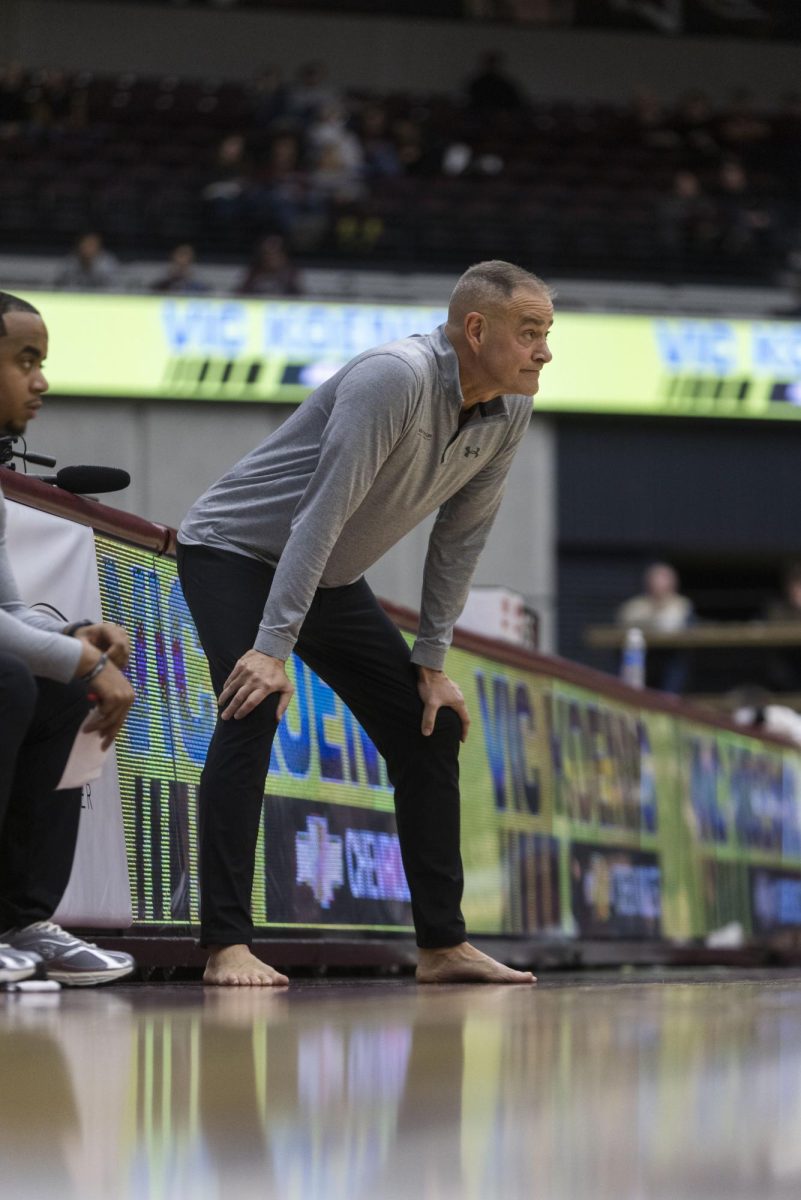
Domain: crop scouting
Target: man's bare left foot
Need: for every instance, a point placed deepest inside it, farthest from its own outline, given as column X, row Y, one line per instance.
column 465, row 964
column 235, row 966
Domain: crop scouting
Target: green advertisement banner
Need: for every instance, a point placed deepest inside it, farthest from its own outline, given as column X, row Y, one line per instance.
column 583, row 817
column 204, row 348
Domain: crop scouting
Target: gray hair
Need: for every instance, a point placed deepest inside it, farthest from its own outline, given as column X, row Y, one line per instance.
column 488, row 284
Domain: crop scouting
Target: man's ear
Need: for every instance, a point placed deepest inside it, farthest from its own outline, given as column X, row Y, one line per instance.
column 475, row 326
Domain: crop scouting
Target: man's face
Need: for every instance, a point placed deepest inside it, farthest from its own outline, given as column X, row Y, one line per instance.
column 661, row 582
column 22, row 383
column 515, row 348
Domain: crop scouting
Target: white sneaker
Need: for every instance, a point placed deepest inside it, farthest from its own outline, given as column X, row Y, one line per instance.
column 68, row 959
column 16, row 964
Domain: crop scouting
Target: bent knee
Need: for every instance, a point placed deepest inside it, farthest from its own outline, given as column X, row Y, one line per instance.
column 448, row 724
column 70, row 700
column 18, row 683
column 76, row 699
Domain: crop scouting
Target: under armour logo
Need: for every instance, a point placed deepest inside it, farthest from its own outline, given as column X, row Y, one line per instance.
column 472, row 451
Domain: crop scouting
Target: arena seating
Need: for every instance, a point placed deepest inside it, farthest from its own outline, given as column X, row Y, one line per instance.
column 576, row 188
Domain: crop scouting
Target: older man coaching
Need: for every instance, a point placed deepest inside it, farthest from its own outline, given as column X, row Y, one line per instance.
column 272, row 558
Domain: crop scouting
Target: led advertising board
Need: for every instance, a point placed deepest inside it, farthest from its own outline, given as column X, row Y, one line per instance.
column 277, row 351
column 582, row 816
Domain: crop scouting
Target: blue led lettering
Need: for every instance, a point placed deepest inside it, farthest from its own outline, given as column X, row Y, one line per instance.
column 162, row 671
column 325, row 705
column 196, row 726
column 697, row 345
column 493, row 725
column 296, row 746
column 526, row 776
column 138, row 666
column 205, row 326
column 776, row 348
column 136, row 725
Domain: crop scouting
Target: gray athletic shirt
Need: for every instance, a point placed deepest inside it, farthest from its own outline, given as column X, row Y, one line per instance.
column 363, row 460
column 32, row 636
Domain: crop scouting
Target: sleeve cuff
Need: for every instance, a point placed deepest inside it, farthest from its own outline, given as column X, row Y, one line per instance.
column 61, row 662
column 426, row 655
column 274, row 644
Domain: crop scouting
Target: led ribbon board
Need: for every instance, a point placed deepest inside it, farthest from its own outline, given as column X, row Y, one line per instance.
column 278, row 351
column 581, row 816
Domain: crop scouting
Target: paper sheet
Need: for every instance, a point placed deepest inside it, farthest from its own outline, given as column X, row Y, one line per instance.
column 86, row 759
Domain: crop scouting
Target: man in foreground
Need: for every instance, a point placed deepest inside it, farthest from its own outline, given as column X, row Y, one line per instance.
column 271, row 560
column 47, row 671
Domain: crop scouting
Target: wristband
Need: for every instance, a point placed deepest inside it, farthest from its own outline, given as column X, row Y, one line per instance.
column 96, row 669
column 69, row 630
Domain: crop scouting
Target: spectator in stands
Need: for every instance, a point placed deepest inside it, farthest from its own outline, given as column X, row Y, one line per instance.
column 746, row 219
column 47, row 670
column 784, row 664
column 90, row 267
column 310, row 92
column 271, row 272
column 380, row 155
column 224, row 196
column 660, row 609
column 180, row 276
column 491, row 89
column 334, row 179
column 282, row 197
column 410, row 143
column 688, row 226
column 330, row 131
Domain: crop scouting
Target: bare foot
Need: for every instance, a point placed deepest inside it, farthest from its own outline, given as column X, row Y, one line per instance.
column 465, row 964
column 235, row 966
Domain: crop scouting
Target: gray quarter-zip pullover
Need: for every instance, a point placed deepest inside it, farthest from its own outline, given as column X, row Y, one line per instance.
column 364, row 459
column 32, row 636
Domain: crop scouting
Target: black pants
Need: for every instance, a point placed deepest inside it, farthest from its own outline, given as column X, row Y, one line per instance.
column 350, row 642
column 38, row 826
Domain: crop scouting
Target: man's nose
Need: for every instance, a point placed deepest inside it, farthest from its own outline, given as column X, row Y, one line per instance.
column 40, row 384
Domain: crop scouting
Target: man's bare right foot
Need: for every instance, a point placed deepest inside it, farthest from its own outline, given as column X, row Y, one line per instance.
column 465, row 964
column 235, row 966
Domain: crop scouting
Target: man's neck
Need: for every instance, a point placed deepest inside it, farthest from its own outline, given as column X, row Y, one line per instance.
column 474, row 391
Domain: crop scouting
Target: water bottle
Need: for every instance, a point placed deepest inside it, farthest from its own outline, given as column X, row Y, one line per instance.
column 632, row 666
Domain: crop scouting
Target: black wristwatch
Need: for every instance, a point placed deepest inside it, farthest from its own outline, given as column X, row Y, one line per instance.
column 69, row 630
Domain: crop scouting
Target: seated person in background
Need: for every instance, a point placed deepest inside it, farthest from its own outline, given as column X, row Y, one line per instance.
column 47, row 670
column 89, row 267
column 784, row 664
column 271, row 272
column 660, row 609
column 180, row 276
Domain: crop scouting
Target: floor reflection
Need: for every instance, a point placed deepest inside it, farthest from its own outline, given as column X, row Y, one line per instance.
column 689, row 1087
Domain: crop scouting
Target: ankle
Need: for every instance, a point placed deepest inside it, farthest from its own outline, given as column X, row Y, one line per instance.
column 441, row 951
